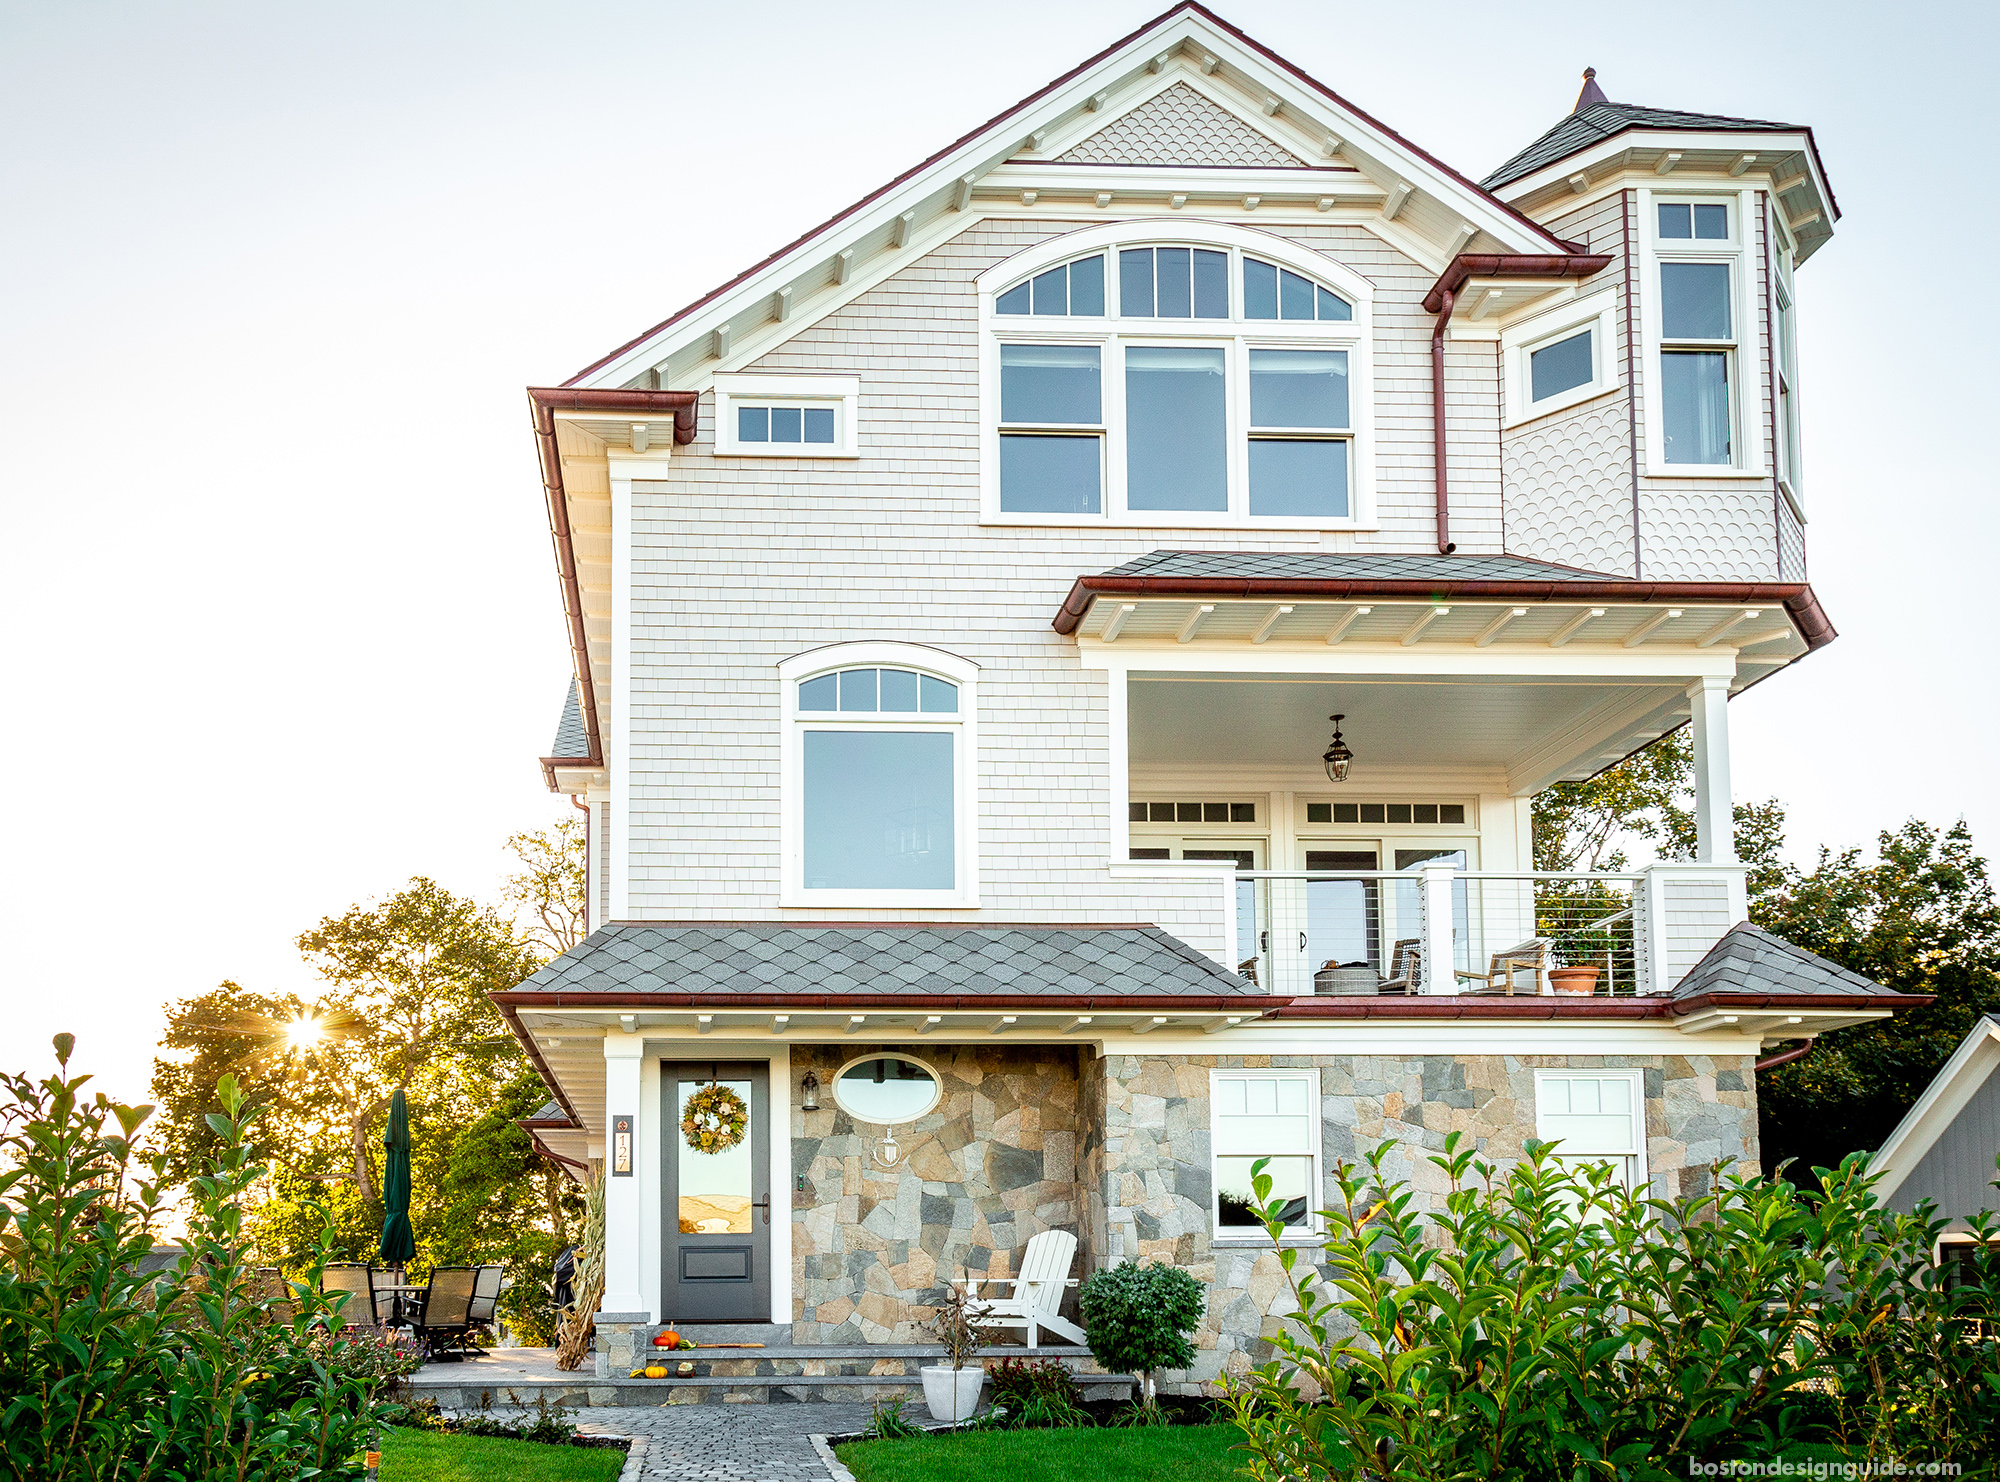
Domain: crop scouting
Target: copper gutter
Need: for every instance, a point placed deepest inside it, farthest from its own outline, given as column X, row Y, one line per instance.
column 547, row 1152
column 1797, row 1052
column 543, row 404
column 534, row 1054
column 1796, row 597
column 1481, row 1006
column 1446, row 303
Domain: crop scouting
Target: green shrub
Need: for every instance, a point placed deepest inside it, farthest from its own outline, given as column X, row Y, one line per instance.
column 1037, row 1394
column 203, row 1371
column 1549, row 1323
column 1140, row 1319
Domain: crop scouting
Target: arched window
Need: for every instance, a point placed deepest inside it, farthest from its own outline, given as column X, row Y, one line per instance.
column 878, row 760
column 1221, row 379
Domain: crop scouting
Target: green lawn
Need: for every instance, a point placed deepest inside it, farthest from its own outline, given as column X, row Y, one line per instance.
column 1178, row 1453
column 424, row 1456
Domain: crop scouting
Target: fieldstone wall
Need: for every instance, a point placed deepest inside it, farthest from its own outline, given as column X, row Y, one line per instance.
column 994, row 1163
column 1147, row 1156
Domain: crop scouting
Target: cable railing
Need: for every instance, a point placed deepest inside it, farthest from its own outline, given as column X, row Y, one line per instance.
column 1374, row 932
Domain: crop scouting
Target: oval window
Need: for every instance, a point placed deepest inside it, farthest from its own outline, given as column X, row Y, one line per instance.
column 886, row 1088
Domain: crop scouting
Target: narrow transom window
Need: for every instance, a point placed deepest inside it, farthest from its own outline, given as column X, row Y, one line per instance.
column 1694, row 221
column 1272, row 292
column 1562, row 366
column 1173, row 283
column 1075, row 288
column 783, row 424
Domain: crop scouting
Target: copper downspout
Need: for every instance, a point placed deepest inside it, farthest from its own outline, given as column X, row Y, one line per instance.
column 1797, row 1052
column 1441, row 300
column 1450, row 298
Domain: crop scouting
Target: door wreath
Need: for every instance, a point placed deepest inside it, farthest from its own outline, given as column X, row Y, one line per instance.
column 713, row 1119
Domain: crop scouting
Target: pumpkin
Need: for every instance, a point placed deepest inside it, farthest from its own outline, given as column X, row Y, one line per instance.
column 664, row 1340
column 656, row 1371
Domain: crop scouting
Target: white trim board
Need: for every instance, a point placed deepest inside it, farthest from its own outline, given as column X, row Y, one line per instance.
column 1950, row 1091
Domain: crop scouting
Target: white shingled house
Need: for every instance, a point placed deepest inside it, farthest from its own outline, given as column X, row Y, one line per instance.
column 1064, row 652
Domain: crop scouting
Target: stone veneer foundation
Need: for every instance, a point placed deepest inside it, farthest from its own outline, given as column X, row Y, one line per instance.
column 991, row 1165
column 1146, row 1170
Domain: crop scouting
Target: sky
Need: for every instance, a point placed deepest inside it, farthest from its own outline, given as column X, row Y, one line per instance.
column 279, row 624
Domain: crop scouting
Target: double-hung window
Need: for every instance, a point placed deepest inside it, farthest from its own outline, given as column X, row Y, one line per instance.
column 1697, row 262
column 1257, row 1115
column 1789, row 473
column 1594, row 1117
column 878, row 755
column 1218, row 381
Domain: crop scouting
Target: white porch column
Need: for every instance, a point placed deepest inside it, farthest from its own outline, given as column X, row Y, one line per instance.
column 1439, row 960
column 1714, row 818
column 624, row 1289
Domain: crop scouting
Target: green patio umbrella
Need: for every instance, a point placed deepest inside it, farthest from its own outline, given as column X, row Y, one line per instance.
column 399, row 1241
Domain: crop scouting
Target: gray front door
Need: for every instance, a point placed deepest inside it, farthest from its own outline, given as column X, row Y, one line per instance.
column 715, row 1225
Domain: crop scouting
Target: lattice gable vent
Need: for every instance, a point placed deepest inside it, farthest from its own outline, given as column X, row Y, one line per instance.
column 1180, row 127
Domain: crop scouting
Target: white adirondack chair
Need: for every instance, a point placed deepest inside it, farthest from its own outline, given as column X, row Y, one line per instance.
column 1038, row 1290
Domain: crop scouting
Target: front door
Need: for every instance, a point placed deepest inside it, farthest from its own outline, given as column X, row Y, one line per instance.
column 715, row 1226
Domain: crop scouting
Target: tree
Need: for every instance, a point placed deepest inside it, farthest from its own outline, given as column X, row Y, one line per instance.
column 551, row 887
column 1920, row 918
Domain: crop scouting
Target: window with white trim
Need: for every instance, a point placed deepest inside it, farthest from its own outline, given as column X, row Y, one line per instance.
column 1265, row 1114
column 780, row 416
column 1789, row 473
column 1217, row 381
column 1561, row 358
column 878, row 752
column 1697, row 262
column 1594, row 1117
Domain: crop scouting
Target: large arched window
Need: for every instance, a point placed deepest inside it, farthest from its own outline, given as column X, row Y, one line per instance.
column 878, row 759
column 1176, row 373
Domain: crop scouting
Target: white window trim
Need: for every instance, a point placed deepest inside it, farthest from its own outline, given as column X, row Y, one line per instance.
column 965, row 764
column 842, row 393
column 1790, row 452
column 1307, row 1234
column 937, row 1088
column 1746, row 369
column 1637, row 1080
column 1597, row 312
column 1237, row 335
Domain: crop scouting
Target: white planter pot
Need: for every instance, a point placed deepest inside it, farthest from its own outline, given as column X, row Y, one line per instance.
column 952, row 1394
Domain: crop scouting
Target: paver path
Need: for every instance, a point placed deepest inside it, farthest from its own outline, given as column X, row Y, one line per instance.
column 727, row 1443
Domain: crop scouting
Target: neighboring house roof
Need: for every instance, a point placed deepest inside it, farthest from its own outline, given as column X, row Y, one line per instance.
column 782, row 962
column 1337, row 575
column 1951, row 1091
column 1601, row 120
column 571, row 743
column 550, row 1115
column 1749, row 959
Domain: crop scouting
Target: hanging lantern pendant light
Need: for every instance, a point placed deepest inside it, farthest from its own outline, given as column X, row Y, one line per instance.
column 1338, row 757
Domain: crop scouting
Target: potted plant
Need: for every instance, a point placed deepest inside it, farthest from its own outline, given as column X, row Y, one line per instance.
column 952, row 1388
column 1579, row 978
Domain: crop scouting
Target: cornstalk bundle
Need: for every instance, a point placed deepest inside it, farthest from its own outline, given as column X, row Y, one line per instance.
column 574, row 1327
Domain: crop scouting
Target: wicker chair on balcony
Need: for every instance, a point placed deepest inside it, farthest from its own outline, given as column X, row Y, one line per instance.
column 1406, row 962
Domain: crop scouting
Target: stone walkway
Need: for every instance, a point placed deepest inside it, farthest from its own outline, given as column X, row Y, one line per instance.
column 727, row 1443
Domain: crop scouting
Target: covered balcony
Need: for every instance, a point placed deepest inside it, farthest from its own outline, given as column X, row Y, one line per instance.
column 1463, row 687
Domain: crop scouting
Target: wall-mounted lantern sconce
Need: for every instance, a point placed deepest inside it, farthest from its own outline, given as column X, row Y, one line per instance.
column 809, row 1092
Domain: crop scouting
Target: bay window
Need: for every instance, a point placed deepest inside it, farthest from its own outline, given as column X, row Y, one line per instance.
column 1224, row 380
column 1696, row 268
column 877, row 756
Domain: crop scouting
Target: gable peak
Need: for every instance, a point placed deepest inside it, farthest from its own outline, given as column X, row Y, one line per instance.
column 1591, row 93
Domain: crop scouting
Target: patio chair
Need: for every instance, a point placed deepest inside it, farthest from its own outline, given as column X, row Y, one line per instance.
column 1531, row 957
column 443, row 1313
column 357, row 1280
column 385, row 1280
column 1038, row 1290
column 486, row 1286
column 1405, row 967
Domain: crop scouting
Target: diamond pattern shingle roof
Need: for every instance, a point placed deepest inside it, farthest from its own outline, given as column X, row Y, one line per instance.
column 1749, row 959
column 571, row 738
column 725, row 958
column 1180, row 127
column 1332, row 566
column 1582, row 129
column 550, row 1112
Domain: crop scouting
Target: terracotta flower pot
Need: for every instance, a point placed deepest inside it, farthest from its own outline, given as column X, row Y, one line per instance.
column 1581, row 981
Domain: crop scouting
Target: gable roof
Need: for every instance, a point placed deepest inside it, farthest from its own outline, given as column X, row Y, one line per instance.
column 1976, row 1059
column 1601, row 120
column 1749, row 959
column 938, row 185
column 779, row 962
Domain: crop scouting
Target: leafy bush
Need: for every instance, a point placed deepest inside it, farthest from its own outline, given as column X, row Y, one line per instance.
column 887, row 1423
column 546, row 1422
column 1140, row 1319
column 204, row 1371
column 1549, row 1323
column 1036, row 1393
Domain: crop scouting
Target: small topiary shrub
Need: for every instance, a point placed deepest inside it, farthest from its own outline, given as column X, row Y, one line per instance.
column 1141, row 1319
